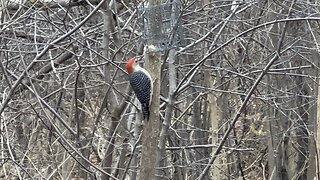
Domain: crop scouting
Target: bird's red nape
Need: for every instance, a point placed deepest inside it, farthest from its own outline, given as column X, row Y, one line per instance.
column 130, row 64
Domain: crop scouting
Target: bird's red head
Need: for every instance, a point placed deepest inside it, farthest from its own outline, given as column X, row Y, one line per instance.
column 131, row 64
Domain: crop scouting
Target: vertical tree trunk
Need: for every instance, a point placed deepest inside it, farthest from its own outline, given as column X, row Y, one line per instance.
column 150, row 150
column 81, row 122
column 110, row 102
column 317, row 137
column 151, row 129
column 314, row 145
column 138, row 127
column 215, row 119
column 277, row 121
column 168, row 114
column 149, row 157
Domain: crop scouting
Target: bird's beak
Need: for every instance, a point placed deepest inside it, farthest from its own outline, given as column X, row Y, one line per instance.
column 140, row 59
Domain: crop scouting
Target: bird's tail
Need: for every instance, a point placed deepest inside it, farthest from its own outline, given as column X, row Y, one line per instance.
column 145, row 111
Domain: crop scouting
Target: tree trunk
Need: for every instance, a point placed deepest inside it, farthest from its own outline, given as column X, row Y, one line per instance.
column 151, row 129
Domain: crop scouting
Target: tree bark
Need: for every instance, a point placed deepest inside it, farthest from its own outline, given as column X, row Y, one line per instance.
column 168, row 114
column 151, row 129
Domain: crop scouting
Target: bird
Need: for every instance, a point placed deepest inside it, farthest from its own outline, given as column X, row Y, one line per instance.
column 141, row 83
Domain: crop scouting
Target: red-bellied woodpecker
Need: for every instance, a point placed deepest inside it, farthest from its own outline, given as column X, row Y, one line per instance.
column 141, row 83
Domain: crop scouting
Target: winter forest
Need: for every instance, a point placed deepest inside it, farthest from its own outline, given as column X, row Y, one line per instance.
column 236, row 100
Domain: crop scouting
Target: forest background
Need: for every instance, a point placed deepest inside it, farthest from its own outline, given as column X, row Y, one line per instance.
column 237, row 101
